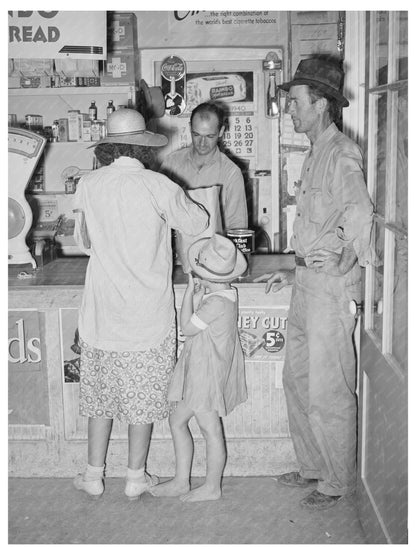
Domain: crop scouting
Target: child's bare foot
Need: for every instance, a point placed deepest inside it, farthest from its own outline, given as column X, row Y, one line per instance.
column 202, row 493
column 171, row 488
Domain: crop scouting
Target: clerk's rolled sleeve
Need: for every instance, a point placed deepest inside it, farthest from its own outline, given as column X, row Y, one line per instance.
column 234, row 200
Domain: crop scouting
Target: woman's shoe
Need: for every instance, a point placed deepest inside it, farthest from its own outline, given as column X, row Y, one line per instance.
column 134, row 488
column 94, row 488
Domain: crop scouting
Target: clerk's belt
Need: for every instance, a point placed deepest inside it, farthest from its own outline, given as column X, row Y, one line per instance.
column 299, row 261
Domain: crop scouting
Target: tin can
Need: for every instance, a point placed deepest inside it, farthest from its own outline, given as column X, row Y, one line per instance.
column 243, row 239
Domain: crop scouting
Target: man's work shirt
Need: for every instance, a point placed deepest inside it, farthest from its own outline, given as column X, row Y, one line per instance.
column 333, row 206
column 219, row 170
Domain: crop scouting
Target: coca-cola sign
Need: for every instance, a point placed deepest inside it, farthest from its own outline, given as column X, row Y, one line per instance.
column 173, row 66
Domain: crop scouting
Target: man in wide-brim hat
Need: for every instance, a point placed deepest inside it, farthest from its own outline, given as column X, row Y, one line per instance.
column 331, row 240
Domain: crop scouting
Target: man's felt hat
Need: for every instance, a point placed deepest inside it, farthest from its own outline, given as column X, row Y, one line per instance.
column 327, row 75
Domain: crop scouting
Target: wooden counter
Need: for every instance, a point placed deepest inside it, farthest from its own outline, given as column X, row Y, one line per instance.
column 47, row 437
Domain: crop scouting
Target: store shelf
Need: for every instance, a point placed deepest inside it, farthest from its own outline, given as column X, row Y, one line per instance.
column 69, row 91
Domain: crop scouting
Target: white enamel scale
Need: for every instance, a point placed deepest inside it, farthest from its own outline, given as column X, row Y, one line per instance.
column 25, row 149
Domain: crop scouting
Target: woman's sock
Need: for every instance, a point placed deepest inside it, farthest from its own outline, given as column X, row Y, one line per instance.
column 93, row 473
column 135, row 475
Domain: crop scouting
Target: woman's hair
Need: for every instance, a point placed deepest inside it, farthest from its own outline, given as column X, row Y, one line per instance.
column 106, row 153
column 334, row 111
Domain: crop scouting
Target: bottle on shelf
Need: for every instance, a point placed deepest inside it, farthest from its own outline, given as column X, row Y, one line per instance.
column 55, row 131
column 272, row 104
column 92, row 111
column 110, row 107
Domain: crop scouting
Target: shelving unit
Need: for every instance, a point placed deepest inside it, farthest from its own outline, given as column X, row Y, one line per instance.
column 54, row 103
column 69, row 91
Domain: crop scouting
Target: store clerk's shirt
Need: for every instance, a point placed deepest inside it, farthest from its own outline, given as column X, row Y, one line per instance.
column 218, row 170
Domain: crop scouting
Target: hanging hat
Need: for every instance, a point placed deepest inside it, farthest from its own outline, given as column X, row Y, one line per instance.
column 127, row 126
column 154, row 99
column 216, row 258
column 325, row 74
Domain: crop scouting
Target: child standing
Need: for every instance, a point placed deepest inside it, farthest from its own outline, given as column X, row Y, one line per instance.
column 209, row 380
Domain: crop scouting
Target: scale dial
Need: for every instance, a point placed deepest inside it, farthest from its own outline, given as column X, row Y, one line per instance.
column 25, row 143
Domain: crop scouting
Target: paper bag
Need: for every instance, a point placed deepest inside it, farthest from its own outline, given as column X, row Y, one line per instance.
column 81, row 232
column 209, row 197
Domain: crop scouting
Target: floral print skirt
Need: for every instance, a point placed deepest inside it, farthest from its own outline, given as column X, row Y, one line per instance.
column 129, row 385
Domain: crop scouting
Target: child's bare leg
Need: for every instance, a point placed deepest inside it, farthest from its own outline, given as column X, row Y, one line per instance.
column 184, row 448
column 210, row 425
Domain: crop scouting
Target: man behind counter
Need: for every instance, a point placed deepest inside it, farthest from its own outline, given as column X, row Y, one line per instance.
column 202, row 165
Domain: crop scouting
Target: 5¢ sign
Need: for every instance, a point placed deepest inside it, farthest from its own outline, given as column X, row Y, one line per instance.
column 274, row 341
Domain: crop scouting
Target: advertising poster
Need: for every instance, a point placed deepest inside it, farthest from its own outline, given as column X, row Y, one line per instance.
column 263, row 333
column 27, row 379
column 70, row 344
column 58, row 34
column 223, row 21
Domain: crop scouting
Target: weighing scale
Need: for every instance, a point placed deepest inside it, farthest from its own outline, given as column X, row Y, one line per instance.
column 25, row 149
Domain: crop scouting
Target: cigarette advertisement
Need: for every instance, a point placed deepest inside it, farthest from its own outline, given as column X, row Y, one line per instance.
column 222, row 20
column 263, row 333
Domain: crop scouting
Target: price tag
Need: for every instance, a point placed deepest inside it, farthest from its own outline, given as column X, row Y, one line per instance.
column 48, row 210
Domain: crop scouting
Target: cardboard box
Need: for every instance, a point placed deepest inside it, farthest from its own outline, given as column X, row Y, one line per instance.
column 119, row 68
column 63, row 130
column 121, row 31
column 74, row 125
column 86, row 130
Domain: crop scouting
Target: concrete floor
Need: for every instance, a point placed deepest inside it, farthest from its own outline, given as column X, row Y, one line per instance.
column 254, row 510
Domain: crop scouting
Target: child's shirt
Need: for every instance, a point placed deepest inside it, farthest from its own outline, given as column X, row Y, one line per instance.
column 209, row 374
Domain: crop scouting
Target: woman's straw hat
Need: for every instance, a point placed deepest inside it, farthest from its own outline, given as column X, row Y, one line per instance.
column 127, row 126
column 216, row 258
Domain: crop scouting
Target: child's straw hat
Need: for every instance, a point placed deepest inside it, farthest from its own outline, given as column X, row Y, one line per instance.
column 217, row 259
